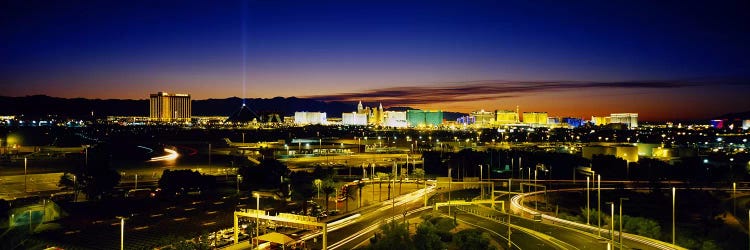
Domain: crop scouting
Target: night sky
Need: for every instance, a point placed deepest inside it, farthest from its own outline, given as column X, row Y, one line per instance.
column 663, row 59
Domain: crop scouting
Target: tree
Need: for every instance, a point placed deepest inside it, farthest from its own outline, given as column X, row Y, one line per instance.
column 360, row 186
column 185, row 180
column 66, row 181
column 381, row 176
column 97, row 178
column 328, row 189
column 472, row 239
column 302, row 187
column 347, row 193
column 269, row 174
column 418, row 173
column 98, row 181
column 393, row 235
column 427, row 237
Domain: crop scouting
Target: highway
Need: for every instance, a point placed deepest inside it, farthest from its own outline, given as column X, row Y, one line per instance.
column 351, row 235
column 629, row 240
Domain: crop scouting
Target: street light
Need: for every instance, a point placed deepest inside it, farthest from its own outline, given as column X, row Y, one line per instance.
column 612, row 222
column 509, row 225
column 122, row 232
column 599, row 203
column 449, row 190
column 673, row 214
column 257, row 216
column 620, row 234
column 480, row 180
column 24, row 174
column 588, row 210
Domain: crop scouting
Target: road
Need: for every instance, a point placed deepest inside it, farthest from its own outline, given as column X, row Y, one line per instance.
column 12, row 186
column 364, row 227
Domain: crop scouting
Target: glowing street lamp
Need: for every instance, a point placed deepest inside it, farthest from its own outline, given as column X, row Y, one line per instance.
column 24, row 174
column 257, row 217
column 122, row 232
column 599, row 202
column 673, row 214
column 620, row 234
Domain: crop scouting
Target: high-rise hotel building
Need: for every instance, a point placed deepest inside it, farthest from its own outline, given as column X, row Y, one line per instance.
column 167, row 107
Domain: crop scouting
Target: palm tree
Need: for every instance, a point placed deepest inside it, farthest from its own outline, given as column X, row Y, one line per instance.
column 328, row 189
column 360, row 186
column 347, row 194
column 390, row 177
column 381, row 176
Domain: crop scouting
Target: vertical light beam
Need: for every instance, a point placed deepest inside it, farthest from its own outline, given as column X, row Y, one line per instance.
column 244, row 51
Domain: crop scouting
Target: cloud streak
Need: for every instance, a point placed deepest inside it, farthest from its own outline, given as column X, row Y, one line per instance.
column 487, row 90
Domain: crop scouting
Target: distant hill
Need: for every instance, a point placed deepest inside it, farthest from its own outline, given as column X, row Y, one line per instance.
column 735, row 116
column 41, row 105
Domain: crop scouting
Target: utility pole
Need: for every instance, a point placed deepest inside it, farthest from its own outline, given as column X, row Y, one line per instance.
column 509, row 225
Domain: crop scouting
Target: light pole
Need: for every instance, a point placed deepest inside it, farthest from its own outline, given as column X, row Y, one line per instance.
column 620, row 234
column 612, row 222
column 734, row 197
column 480, row 180
column 449, row 190
column 239, row 178
column 209, row 155
column 257, row 216
column 24, row 174
column 588, row 209
column 122, row 232
column 673, row 214
column 536, row 202
column 509, row 225
column 599, row 203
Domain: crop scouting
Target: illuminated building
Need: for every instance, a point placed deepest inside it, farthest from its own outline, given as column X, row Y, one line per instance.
column 572, row 122
column 375, row 116
column 624, row 151
column 166, row 107
column 629, row 119
column 482, row 119
column 718, row 124
column 536, row 118
column 309, row 118
column 396, row 119
column 504, row 117
column 600, row 120
column 354, row 118
column 465, row 120
column 745, row 124
column 422, row 118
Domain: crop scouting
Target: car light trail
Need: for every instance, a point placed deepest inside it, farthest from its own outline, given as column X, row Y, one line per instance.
column 516, row 206
column 171, row 155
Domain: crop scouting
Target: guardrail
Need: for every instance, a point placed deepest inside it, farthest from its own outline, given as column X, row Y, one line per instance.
column 515, row 205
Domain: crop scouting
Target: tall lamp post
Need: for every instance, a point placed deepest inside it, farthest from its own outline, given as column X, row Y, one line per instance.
column 449, row 190
column 509, row 225
column 673, row 214
column 620, row 234
column 599, row 203
column 122, row 232
column 257, row 217
column 612, row 222
column 588, row 202
column 480, row 180
column 24, row 174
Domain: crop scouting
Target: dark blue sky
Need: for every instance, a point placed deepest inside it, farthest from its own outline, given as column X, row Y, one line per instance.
column 336, row 50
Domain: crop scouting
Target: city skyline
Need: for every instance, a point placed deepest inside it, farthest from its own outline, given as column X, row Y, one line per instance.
column 663, row 61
